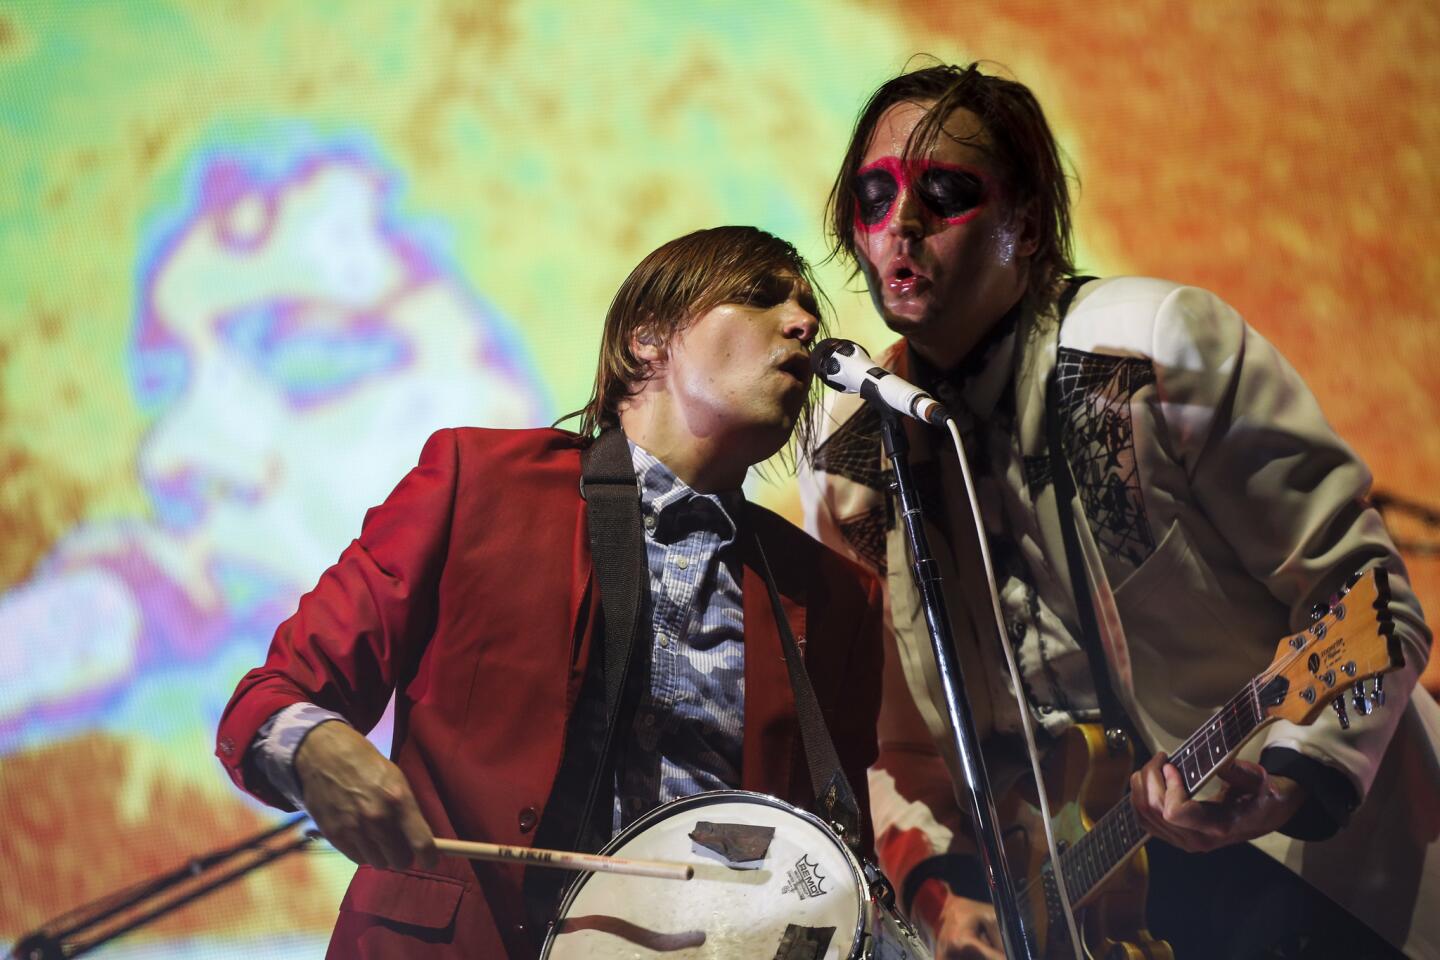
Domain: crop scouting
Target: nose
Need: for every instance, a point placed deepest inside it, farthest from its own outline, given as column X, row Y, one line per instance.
column 907, row 217
column 799, row 323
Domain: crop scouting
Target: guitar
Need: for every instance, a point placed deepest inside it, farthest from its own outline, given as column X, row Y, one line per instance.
column 1351, row 642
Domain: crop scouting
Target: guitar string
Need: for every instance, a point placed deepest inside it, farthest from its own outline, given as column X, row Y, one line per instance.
column 1227, row 721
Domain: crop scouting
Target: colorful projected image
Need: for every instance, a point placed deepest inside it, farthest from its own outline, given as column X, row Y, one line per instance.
column 294, row 343
column 250, row 258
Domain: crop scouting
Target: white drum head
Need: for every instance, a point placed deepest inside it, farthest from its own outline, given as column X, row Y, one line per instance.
column 807, row 885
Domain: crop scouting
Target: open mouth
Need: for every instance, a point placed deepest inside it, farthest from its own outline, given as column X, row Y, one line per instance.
column 797, row 365
column 904, row 281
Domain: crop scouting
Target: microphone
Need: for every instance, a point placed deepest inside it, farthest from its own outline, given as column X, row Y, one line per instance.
column 845, row 366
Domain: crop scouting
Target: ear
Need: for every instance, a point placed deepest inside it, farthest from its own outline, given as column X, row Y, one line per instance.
column 1027, row 234
column 647, row 346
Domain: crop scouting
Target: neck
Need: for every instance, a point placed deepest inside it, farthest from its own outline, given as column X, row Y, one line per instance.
column 714, row 463
column 951, row 348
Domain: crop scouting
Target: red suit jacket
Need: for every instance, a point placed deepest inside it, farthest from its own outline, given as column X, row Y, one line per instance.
column 470, row 595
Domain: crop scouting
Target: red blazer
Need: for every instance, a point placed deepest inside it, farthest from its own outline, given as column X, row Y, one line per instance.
column 470, row 595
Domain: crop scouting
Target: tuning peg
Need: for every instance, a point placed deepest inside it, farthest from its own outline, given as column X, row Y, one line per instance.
column 1318, row 612
column 1377, row 692
column 1357, row 697
column 1339, row 705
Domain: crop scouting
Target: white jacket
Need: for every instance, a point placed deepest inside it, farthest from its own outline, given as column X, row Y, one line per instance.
column 1256, row 513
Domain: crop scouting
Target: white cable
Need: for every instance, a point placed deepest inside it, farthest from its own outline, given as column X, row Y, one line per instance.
column 1021, row 705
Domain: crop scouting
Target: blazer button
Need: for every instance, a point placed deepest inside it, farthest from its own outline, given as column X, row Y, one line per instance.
column 527, row 819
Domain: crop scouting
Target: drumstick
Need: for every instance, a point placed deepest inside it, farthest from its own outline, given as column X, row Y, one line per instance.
column 564, row 860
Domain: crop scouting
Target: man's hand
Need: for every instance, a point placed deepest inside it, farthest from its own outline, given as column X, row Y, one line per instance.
column 1251, row 804
column 361, row 801
column 967, row 930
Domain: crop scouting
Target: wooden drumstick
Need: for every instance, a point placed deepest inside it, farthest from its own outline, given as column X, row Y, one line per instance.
column 564, row 860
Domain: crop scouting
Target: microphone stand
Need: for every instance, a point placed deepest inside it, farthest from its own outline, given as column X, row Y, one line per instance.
column 957, row 704
column 86, row 927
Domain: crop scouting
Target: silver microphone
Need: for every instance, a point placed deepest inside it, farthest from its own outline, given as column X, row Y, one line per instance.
column 845, row 366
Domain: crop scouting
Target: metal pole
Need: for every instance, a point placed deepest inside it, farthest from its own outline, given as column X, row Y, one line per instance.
column 957, row 704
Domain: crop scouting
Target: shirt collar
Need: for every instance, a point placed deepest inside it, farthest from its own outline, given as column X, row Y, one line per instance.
column 668, row 499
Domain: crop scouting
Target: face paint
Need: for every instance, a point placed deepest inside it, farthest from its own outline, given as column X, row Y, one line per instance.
column 951, row 193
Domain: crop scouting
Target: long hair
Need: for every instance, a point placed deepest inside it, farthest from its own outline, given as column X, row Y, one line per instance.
column 677, row 283
column 1019, row 142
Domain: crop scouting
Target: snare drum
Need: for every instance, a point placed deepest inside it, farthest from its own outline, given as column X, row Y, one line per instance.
column 771, row 882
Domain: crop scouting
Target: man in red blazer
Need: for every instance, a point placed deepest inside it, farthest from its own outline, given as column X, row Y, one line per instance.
column 470, row 595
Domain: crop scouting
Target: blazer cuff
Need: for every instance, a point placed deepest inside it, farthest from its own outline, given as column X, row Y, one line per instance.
column 1330, row 796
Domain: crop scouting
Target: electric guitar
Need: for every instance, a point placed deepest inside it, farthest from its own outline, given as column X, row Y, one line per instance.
column 1349, row 643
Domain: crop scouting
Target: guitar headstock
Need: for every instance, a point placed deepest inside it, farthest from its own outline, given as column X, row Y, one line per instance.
column 1350, row 642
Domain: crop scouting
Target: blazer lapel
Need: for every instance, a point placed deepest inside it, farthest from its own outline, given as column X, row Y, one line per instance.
column 768, row 752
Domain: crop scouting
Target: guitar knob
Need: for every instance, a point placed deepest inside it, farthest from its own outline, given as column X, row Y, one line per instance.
column 1357, row 697
column 1377, row 692
column 1339, row 706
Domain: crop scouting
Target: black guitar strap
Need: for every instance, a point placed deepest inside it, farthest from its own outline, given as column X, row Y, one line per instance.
column 833, row 794
column 617, row 553
column 1112, row 713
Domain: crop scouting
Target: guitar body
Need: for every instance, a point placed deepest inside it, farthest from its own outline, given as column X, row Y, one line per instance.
column 1084, row 779
column 1101, row 840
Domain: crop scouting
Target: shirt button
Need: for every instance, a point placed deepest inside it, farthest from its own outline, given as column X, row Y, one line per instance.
column 649, row 720
column 527, row 819
column 682, row 563
column 664, row 640
column 649, row 523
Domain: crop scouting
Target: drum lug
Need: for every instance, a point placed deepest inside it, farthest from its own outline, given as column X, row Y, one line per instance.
column 881, row 890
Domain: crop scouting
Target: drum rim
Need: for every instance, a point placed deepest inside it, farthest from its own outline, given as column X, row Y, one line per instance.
column 707, row 798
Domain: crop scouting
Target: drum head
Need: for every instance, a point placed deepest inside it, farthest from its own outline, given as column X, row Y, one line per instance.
column 805, row 889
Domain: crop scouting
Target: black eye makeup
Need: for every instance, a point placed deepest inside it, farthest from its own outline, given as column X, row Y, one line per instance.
column 952, row 193
column 875, row 193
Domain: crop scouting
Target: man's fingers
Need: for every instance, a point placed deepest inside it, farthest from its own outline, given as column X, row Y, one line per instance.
column 346, row 845
column 370, row 851
column 1175, row 795
column 419, row 839
column 392, row 819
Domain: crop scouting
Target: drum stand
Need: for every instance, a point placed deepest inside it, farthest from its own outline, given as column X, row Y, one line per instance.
column 83, row 929
column 957, row 704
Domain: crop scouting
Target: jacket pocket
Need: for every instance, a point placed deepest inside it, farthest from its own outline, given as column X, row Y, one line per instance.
column 1168, row 558
column 405, row 897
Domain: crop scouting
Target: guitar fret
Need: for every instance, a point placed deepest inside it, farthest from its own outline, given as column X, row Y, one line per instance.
column 1118, row 833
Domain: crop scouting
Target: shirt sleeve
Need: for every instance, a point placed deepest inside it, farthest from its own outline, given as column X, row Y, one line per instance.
column 1287, row 495
column 271, row 755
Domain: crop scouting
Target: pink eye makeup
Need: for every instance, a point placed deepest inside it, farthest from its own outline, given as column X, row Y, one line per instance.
column 951, row 193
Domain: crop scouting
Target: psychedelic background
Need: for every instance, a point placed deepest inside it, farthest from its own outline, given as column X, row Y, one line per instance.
column 252, row 253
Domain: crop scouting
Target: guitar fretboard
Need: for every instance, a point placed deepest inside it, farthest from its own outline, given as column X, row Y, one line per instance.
column 1118, row 833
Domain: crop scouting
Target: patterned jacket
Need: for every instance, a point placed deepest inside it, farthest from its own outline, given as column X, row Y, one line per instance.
column 1215, row 508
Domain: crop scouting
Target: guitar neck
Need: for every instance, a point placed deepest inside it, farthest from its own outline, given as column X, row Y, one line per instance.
column 1118, row 833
